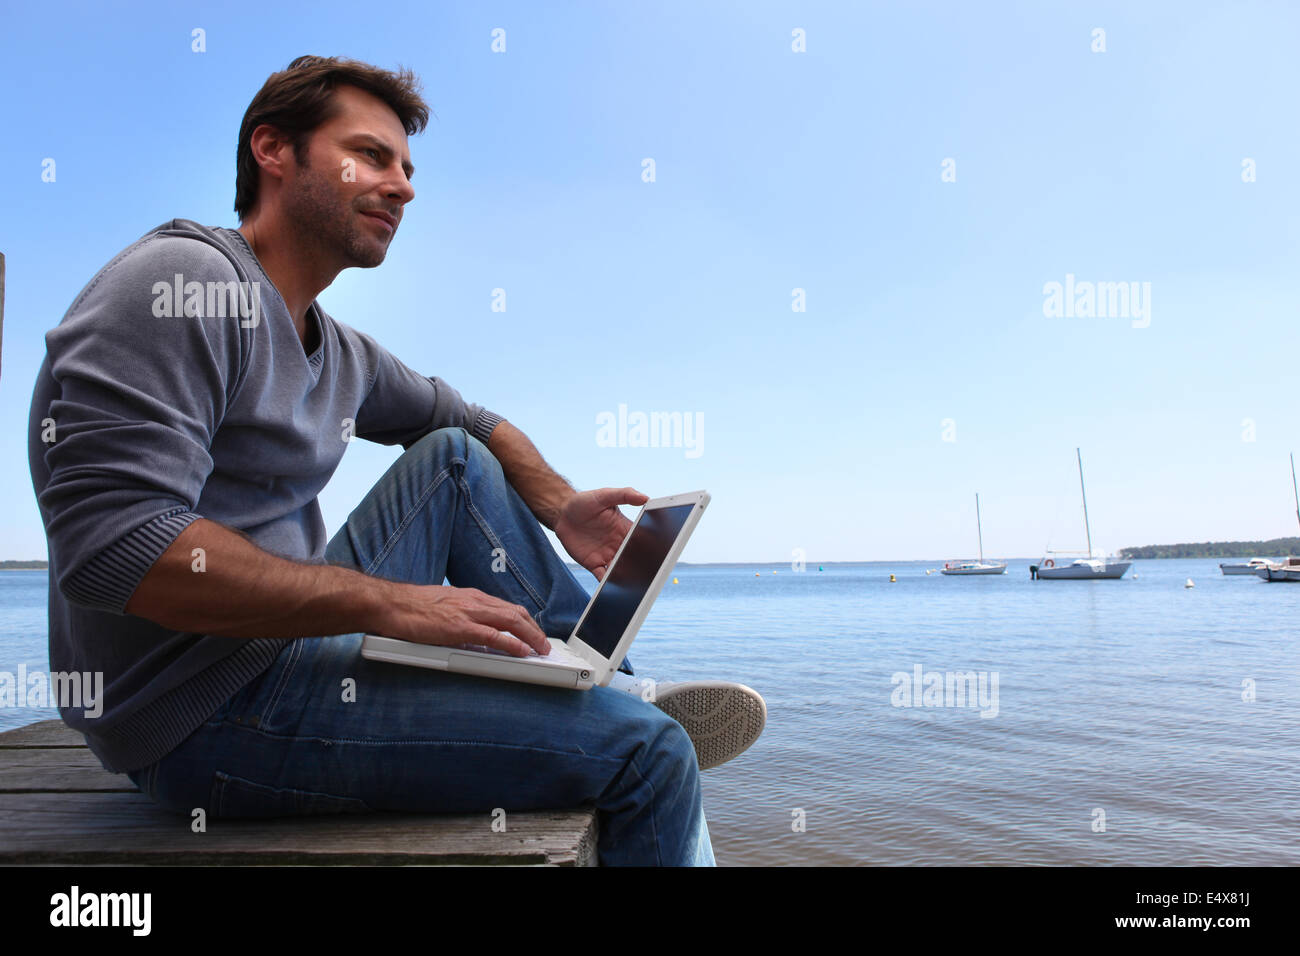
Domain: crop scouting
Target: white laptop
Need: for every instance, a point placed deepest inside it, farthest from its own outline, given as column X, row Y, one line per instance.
column 599, row 642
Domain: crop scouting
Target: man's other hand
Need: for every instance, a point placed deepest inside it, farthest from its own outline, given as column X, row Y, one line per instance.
column 591, row 527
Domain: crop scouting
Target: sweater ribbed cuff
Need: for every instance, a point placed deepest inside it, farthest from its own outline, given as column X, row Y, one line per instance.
column 160, row 727
column 483, row 425
column 107, row 581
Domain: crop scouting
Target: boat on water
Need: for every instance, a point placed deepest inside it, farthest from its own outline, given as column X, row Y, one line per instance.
column 1287, row 569
column 1250, row 567
column 973, row 567
column 1083, row 569
column 980, row 566
column 1090, row 568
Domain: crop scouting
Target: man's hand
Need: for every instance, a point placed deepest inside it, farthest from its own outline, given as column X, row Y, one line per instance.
column 449, row 616
column 591, row 527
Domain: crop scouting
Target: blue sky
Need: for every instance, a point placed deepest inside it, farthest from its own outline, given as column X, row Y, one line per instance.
column 775, row 170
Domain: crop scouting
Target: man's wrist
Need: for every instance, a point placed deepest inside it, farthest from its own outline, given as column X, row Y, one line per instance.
column 366, row 602
column 544, row 491
column 550, row 515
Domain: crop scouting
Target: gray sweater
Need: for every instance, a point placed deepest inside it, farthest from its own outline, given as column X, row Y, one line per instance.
column 168, row 394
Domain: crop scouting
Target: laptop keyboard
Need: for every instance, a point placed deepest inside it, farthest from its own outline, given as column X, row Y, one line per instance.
column 560, row 654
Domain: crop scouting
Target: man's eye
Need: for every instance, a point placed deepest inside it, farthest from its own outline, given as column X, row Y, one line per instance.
column 372, row 152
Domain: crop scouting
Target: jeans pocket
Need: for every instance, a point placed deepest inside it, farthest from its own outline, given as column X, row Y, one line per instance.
column 236, row 797
column 276, row 690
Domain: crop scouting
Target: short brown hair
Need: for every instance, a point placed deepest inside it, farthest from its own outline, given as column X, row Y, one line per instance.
column 301, row 97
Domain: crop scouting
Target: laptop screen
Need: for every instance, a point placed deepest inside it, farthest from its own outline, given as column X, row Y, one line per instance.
column 628, row 580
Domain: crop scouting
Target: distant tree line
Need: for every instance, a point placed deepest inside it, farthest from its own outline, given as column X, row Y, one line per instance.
column 23, row 565
column 1277, row 547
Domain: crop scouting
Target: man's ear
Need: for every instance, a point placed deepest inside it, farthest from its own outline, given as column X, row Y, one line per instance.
column 272, row 151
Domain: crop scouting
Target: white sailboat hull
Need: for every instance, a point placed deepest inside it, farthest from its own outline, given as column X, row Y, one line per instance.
column 1276, row 573
column 1097, row 571
column 976, row 569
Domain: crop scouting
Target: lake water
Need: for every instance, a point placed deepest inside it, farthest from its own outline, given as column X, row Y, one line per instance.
column 1134, row 721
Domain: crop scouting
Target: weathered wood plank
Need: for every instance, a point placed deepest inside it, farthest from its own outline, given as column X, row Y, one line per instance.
column 125, row 828
column 58, row 769
column 59, row 806
column 46, row 733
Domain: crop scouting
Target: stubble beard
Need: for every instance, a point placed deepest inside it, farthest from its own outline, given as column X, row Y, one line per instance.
column 322, row 224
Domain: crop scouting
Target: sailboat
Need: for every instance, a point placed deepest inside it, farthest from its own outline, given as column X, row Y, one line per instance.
column 1082, row 569
column 970, row 567
column 1251, row 567
column 1288, row 570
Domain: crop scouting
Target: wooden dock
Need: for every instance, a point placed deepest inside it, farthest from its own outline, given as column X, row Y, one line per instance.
column 59, row 806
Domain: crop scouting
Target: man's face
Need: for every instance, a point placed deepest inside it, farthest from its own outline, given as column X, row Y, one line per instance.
column 354, row 176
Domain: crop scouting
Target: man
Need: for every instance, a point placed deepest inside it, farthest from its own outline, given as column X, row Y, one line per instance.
column 194, row 401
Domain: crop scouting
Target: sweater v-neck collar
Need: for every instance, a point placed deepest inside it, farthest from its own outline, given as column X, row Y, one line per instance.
column 314, row 324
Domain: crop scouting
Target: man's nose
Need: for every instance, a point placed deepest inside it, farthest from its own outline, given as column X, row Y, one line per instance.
column 402, row 191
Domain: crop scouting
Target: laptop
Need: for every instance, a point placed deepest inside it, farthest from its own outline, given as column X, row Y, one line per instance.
column 590, row 656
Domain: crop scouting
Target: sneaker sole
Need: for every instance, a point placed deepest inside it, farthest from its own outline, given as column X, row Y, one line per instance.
column 722, row 720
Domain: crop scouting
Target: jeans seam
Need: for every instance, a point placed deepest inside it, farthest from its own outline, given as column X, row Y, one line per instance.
column 654, row 823
column 407, row 520
column 495, row 541
column 295, row 653
column 405, row 741
column 222, row 778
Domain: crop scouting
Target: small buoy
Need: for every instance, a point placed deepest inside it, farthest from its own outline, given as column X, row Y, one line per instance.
column 893, row 580
column 674, row 580
column 1189, row 584
column 756, row 574
column 774, row 572
column 820, row 568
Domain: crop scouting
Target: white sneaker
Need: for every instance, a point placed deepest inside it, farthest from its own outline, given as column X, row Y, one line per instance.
column 722, row 718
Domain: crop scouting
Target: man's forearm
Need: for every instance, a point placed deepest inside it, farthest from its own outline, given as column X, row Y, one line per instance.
column 246, row 592
column 544, row 491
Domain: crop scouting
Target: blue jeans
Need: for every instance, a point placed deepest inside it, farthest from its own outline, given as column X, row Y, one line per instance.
column 324, row 730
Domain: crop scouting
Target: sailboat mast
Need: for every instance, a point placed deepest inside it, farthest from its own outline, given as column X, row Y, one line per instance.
column 979, row 525
column 1084, row 492
column 1293, row 487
